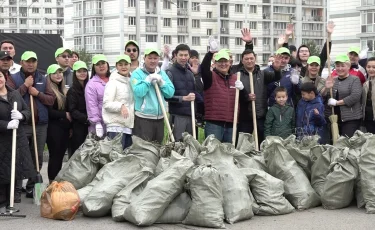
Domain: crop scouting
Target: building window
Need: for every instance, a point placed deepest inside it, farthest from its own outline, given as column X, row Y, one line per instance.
column 35, row 31
column 167, row 22
column 209, row 14
column 77, row 9
column 224, row 40
column 36, row 21
column 167, row 39
column 48, row 10
column 23, row 31
column 1, row 9
column 60, row 21
column 195, row 23
column 131, row 3
column 132, row 21
column 35, row 11
column 196, row 41
column 93, row 43
column 238, row 8
column 2, row 20
column 181, row 39
column 253, row 9
column 196, row 7
column 209, row 32
column 93, row 7
column 368, row 22
column 151, row 38
column 78, row 27
column 47, row 0
column 13, row 20
column 93, row 25
column 253, row 25
column 61, row 32
column 238, row 25
column 255, row 41
column 132, row 37
column 48, row 32
column 23, row 21
column 47, row 21
column 77, row 43
column 166, row 4
column 238, row 42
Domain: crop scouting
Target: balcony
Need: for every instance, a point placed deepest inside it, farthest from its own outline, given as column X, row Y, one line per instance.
column 94, row 30
column 91, row 12
column 23, row 14
column 60, row 3
column 78, row 31
column 266, row 16
column 12, row 25
column 182, row 12
column 311, row 33
column 267, row 1
column 23, row 2
column 78, row 13
column 312, row 18
column 61, row 15
column 281, row 17
column 151, row 11
column 182, row 29
column 312, row 3
column 224, row 30
column 224, row 14
column 13, row 14
column 266, row 32
column 152, row 28
column 277, row 32
column 289, row 2
column 266, row 48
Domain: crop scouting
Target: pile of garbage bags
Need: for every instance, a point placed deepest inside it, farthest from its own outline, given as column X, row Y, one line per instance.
column 211, row 183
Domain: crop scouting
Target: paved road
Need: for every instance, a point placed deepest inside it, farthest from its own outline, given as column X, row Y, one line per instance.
column 317, row 218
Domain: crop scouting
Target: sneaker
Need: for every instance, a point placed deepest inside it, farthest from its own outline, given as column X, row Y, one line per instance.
column 30, row 193
column 13, row 210
column 17, row 197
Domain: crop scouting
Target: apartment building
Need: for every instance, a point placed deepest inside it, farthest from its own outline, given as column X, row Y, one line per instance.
column 32, row 16
column 104, row 26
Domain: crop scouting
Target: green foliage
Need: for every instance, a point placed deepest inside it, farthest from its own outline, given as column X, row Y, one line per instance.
column 314, row 49
column 84, row 56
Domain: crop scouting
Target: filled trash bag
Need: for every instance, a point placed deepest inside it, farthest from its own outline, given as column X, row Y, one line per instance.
column 207, row 198
column 236, row 191
column 338, row 189
column 192, row 147
column 82, row 167
column 177, row 211
column 268, row 193
column 162, row 165
column 367, row 168
column 109, row 149
column 245, row 143
column 60, row 201
column 281, row 165
column 85, row 191
column 147, row 151
column 148, row 206
column 115, row 176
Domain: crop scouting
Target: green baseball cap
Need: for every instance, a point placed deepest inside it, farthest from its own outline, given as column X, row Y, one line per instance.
column 342, row 58
column 283, row 50
column 123, row 57
column 313, row 59
column 354, row 49
column 225, row 50
column 28, row 55
column 61, row 51
column 97, row 58
column 132, row 42
column 222, row 55
column 53, row 68
column 152, row 50
column 79, row 65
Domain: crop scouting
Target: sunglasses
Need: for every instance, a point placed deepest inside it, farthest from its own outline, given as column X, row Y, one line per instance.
column 65, row 56
column 131, row 50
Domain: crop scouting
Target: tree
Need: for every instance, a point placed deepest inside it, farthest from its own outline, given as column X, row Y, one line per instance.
column 84, row 56
column 314, row 49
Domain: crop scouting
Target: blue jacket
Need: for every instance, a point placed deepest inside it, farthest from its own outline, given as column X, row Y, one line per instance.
column 146, row 101
column 307, row 122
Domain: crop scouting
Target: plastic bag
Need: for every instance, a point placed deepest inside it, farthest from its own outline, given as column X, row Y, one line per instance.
column 109, row 149
column 60, row 201
column 176, row 212
column 147, row 151
column 282, row 166
column 268, row 193
column 82, row 167
column 162, row 165
column 192, row 147
column 367, row 168
column 146, row 208
column 236, row 191
column 246, row 156
column 245, row 143
column 207, row 198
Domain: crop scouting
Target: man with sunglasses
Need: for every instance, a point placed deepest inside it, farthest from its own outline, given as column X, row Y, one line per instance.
column 132, row 50
column 62, row 56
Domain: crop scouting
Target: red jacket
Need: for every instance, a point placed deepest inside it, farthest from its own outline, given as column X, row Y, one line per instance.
column 360, row 72
column 219, row 99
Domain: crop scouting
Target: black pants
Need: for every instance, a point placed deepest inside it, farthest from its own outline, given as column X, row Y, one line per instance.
column 149, row 129
column 348, row 128
column 57, row 143
column 80, row 132
column 248, row 127
column 4, row 194
column 370, row 126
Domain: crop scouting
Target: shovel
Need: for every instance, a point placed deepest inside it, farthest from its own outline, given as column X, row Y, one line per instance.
column 161, row 102
column 254, row 113
column 235, row 118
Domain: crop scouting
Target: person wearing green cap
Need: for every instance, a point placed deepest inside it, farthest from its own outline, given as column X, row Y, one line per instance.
column 118, row 102
column 76, row 106
column 346, row 98
column 94, row 93
column 29, row 81
column 58, row 123
column 368, row 97
column 132, row 50
column 312, row 75
column 62, row 56
column 148, row 121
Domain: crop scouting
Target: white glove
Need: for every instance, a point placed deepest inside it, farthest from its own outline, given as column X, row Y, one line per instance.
column 363, row 54
column 13, row 124
column 213, row 43
column 99, row 130
column 332, row 102
column 294, row 78
column 16, row 115
column 238, row 85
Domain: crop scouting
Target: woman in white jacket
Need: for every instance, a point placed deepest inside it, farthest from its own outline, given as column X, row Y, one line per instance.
column 118, row 102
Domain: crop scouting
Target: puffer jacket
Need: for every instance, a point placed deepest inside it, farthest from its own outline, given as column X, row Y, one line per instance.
column 280, row 121
column 118, row 92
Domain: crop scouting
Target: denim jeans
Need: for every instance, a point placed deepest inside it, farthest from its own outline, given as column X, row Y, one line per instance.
column 222, row 131
column 126, row 139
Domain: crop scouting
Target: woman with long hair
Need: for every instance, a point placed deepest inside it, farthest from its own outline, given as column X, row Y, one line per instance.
column 94, row 93
column 58, row 122
column 368, row 97
column 76, row 105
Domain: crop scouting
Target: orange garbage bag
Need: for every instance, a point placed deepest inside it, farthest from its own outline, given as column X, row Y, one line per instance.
column 60, row 201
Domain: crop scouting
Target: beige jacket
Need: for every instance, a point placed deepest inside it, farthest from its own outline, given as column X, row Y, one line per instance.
column 364, row 96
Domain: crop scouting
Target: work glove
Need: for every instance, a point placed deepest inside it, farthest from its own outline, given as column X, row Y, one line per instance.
column 332, row 102
column 16, row 115
column 214, row 45
column 13, row 124
column 294, row 77
column 363, row 53
column 238, row 84
column 99, row 130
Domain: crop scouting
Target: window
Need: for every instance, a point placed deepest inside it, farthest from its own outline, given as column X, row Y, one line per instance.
column 61, row 32
column 60, row 21
column 47, row 0
column 23, row 31
column 238, row 8
column 166, row 4
column 36, row 21
column 48, row 32
column 209, row 32
column 133, row 37
column 167, row 39
column 368, row 22
column 132, row 21
column 48, row 10
column 2, row 20
column 151, row 38
column 93, row 43
column 181, row 22
column 13, row 20
column 209, row 14
column 196, row 41
column 78, row 27
column 35, row 11
column 47, row 21
column 196, row 6
column 195, row 23
column 167, row 22
column 77, row 43
column 77, row 9
column 253, row 9
column 238, row 24
column 181, row 39
column 238, row 42
column 131, row 3
column 35, row 31
column 1, row 9
column 255, row 41
column 224, row 40
column 93, row 7
column 93, row 25
column 23, row 21
column 253, row 25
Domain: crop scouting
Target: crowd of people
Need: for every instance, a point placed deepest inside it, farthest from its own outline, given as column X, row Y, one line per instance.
column 290, row 97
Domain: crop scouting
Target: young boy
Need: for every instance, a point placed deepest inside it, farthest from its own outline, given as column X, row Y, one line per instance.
column 310, row 112
column 280, row 119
